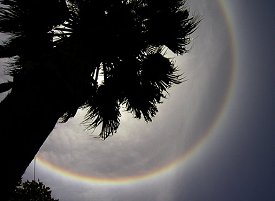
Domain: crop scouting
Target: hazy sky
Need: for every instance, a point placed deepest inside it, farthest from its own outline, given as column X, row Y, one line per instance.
column 213, row 138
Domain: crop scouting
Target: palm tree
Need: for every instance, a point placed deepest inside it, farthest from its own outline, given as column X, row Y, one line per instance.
column 59, row 48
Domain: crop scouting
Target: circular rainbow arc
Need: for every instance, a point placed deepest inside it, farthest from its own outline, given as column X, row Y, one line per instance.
column 161, row 170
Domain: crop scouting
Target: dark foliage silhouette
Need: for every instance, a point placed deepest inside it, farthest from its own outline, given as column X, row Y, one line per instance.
column 59, row 48
column 31, row 191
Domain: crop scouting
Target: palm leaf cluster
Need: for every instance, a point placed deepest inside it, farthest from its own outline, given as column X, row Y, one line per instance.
column 78, row 40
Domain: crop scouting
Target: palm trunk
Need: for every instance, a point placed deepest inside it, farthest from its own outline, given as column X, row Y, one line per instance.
column 40, row 95
column 27, row 117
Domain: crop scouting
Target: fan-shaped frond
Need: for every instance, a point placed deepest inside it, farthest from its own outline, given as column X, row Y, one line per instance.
column 103, row 109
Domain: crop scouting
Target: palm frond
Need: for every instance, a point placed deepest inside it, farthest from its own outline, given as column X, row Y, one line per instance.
column 103, row 109
column 160, row 71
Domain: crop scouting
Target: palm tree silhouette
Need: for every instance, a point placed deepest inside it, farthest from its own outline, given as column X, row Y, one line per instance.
column 59, row 48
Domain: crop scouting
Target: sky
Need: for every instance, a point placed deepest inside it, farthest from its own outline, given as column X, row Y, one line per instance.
column 212, row 139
